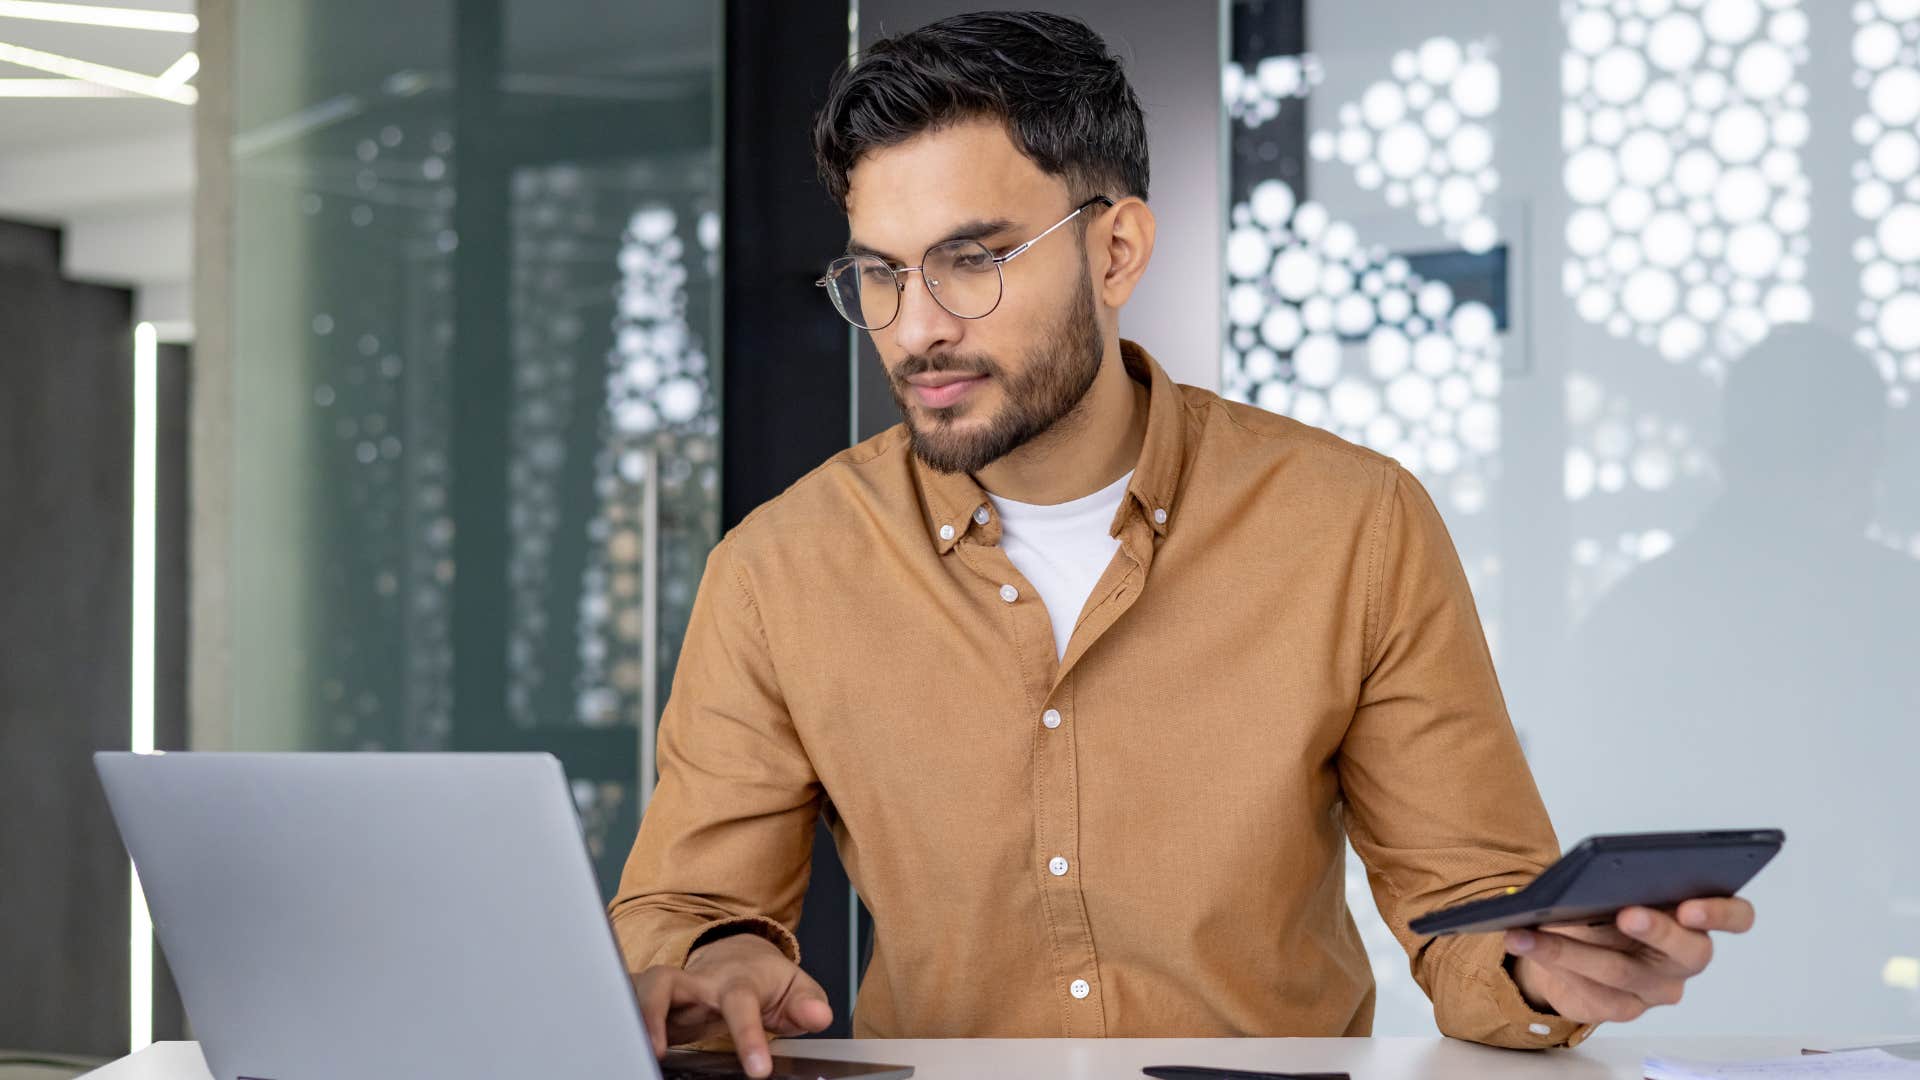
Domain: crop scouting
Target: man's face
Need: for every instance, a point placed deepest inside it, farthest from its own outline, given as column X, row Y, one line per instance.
column 974, row 390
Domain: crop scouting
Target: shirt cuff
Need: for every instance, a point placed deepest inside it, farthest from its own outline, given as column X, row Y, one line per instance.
column 1515, row 1023
column 757, row 925
column 1552, row 1029
column 681, row 947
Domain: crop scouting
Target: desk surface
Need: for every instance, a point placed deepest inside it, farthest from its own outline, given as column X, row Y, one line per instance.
column 1600, row 1058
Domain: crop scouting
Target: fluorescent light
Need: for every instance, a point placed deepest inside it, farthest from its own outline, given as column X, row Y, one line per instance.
column 118, row 78
column 140, row 970
column 146, row 399
column 181, row 71
column 173, row 331
column 58, row 88
column 146, row 353
column 89, row 15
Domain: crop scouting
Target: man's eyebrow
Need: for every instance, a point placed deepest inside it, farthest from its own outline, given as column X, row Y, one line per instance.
column 977, row 229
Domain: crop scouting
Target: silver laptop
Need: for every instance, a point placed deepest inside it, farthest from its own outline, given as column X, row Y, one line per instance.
column 389, row 916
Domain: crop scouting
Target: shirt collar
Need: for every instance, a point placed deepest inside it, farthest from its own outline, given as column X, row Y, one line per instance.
column 956, row 503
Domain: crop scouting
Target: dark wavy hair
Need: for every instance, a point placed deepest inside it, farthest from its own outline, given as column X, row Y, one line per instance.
column 1065, row 100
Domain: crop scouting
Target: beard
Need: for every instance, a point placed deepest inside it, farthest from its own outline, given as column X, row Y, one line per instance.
column 1059, row 371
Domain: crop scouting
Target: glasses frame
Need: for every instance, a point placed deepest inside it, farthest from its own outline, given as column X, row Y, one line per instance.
column 899, row 272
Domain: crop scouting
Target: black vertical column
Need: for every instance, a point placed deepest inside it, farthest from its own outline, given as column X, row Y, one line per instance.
column 66, row 571
column 785, row 384
column 1276, row 149
column 172, row 506
column 481, row 384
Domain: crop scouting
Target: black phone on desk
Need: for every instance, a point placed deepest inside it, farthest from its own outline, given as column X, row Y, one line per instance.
column 1603, row 874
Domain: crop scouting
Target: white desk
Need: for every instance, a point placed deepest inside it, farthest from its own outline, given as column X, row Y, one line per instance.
column 1600, row 1058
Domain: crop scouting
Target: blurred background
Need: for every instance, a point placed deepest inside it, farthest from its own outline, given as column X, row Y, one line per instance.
column 377, row 376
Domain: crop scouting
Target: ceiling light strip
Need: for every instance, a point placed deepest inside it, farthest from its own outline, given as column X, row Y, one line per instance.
column 140, row 734
column 88, row 15
column 181, row 71
column 58, row 88
column 118, row 78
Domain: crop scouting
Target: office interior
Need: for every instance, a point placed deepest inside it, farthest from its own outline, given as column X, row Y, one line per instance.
column 378, row 376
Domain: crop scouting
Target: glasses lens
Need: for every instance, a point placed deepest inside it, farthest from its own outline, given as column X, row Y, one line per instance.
column 863, row 290
column 964, row 278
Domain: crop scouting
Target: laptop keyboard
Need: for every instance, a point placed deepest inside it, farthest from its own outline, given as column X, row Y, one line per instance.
column 686, row 1065
column 668, row 1072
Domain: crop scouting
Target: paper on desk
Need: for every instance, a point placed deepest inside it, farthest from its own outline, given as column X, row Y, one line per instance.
column 1851, row 1063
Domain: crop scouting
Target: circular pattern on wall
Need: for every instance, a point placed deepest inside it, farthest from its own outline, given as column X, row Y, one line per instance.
column 658, row 376
column 1613, row 446
column 1254, row 97
column 1886, row 191
column 1598, row 566
column 1423, row 137
column 1351, row 339
column 1682, row 124
column 660, row 433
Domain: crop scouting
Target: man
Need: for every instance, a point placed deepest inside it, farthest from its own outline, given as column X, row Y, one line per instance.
column 1092, row 675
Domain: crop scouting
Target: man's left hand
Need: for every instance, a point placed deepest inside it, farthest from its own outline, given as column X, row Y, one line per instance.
column 1593, row 974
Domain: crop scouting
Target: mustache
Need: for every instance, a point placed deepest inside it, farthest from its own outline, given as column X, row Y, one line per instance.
column 928, row 365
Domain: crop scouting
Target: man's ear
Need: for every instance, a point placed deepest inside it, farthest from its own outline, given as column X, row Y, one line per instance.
column 1128, row 244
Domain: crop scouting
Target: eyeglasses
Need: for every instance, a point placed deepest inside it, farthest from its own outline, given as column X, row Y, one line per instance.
column 963, row 276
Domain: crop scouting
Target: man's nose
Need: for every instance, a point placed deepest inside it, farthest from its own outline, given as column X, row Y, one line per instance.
column 922, row 324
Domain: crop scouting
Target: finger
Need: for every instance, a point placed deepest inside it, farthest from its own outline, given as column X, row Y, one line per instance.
column 1589, row 1002
column 1730, row 914
column 741, row 1007
column 1604, row 924
column 803, row 1007
column 655, row 997
column 1607, row 936
column 1608, row 967
column 1686, row 952
column 693, row 1011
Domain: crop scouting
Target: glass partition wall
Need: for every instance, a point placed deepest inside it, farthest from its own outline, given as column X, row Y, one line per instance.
column 476, row 396
column 1633, row 286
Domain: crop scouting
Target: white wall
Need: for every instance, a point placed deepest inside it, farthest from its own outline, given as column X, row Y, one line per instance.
column 1761, row 671
column 1175, row 311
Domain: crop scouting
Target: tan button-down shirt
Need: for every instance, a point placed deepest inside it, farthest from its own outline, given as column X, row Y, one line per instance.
column 1147, row 837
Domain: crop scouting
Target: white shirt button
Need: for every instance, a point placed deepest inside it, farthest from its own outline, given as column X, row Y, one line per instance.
column 1057, row 866
column 1080, row 989
column 980, row 516
column 1009, row 593
column 1160, row 516
column 1540, row 1029
column 1051, row 718
column 946, row 532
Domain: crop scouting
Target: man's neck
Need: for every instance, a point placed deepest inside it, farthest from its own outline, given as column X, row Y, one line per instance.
column 1090, row 448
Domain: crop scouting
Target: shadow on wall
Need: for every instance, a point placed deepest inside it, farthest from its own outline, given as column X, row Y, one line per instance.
column 1766, row 671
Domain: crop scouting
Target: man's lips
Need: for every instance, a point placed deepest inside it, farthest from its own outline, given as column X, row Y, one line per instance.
column 943, row 389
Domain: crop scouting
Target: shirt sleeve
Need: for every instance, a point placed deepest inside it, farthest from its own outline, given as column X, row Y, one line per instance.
column 1441, row 806
column 726, row 843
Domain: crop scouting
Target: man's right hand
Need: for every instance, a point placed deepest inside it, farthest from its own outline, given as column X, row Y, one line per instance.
column 741, row 985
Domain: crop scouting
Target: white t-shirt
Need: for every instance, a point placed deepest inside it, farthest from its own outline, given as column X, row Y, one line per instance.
column 1062, row 550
